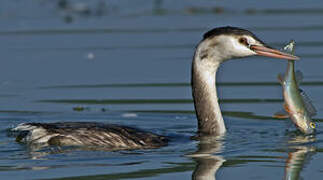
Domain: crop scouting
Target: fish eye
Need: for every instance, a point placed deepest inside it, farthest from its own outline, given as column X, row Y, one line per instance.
column 312, row 125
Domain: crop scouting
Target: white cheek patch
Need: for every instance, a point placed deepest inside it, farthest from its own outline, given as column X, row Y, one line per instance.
column 249, row 43
column 250, row 40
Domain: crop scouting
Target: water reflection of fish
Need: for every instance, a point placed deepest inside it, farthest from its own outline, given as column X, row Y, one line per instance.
column 299, row 155
column 297, row 104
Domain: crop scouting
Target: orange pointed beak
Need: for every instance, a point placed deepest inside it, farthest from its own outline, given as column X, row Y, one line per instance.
column 265, row 51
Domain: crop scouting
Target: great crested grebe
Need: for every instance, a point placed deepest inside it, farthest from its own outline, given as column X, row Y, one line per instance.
column 218, row 45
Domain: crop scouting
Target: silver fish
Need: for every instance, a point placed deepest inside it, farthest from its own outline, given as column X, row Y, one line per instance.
column 298, row 106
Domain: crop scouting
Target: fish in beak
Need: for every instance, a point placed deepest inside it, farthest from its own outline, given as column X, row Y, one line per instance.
column 269, row 52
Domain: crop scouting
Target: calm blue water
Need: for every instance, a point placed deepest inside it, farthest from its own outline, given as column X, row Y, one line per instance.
column 128, row 62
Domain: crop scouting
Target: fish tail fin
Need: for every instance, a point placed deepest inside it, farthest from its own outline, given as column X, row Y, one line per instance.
column 290, row 47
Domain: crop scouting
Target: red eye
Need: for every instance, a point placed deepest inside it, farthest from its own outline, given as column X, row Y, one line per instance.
column 244, row 41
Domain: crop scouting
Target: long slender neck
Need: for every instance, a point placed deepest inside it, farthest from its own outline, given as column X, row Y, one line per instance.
column 210, row 120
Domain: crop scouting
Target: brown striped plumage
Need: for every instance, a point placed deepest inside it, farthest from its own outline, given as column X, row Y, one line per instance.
column 106, row 136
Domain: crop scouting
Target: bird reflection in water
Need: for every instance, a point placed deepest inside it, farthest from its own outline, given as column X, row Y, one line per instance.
column 207, row 162
column 300, row 152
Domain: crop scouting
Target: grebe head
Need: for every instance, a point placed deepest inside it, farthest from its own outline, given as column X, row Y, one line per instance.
column 224, row 43
column 219, row 45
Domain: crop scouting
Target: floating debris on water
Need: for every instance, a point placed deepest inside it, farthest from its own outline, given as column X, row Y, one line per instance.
column 81, row 108
column 129, row 115
column 90, row 56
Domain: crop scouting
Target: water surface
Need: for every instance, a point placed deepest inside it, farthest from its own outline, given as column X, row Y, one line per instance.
column 128, row 62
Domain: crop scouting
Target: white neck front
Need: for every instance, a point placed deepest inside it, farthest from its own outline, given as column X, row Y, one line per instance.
column 207, row 108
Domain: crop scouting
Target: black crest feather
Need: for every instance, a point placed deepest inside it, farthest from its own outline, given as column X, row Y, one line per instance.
column 228, row 30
